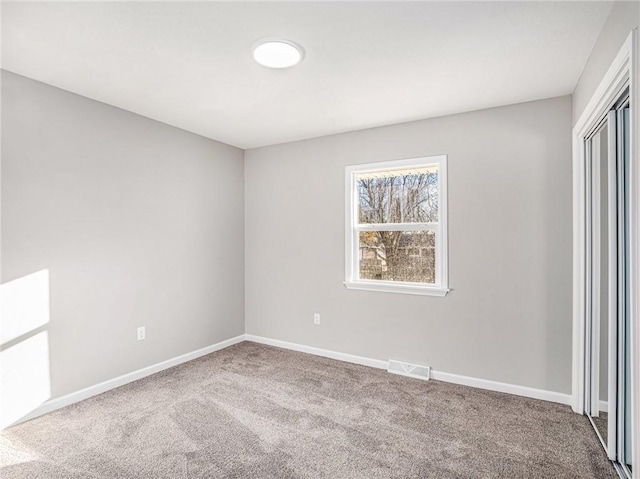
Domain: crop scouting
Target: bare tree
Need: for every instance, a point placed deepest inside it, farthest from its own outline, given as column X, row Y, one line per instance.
column 398, row 255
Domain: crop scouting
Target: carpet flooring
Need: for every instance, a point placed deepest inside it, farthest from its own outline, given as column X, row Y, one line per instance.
column 253, row 411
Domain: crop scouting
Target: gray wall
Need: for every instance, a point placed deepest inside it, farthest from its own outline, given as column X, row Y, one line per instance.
column 509, row 315
column 624, row 17
column 138, row 222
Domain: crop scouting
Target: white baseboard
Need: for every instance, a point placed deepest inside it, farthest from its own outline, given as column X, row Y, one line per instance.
column 489, row 385
column 603, row 406
column 524, row 391
column 349, row 358
column 86, row 393
column 60, row 402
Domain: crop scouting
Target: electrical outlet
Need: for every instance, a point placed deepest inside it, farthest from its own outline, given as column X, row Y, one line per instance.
column 141, row 333
column 316, row 318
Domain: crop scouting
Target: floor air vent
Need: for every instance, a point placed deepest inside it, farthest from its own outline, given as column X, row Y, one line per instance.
column 408, row 369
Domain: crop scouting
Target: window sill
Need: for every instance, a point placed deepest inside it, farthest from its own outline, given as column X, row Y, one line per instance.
column 397, row 288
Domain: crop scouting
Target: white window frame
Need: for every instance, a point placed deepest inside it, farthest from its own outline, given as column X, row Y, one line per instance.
column 352, row 229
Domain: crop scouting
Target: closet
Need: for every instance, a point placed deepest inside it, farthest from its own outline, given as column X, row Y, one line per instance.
column 607, row 392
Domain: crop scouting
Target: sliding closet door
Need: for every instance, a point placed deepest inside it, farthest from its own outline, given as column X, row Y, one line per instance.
column 614, row 249
column 620, row 360
column 601, row 222
column 624, row 337
column 608, row 339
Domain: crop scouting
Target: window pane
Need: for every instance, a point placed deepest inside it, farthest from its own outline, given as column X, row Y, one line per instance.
column 407, row 256
column 401, row 196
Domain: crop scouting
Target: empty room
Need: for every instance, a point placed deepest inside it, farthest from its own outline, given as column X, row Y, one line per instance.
column 309, row 240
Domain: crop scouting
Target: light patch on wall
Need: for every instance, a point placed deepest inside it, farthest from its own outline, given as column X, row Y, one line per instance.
column 24, row 305
column 24, row 372
column 25, row 381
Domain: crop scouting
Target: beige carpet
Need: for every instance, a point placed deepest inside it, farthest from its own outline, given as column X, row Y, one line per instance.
column 252, row 411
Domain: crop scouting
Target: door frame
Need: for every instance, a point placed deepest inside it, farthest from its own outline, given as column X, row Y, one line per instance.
column 621, row 73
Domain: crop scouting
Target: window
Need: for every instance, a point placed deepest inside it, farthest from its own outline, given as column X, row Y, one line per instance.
column 396, row 226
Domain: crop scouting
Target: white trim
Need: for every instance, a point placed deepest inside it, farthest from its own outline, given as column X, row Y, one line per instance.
column 86, row 393
column 325, row 353
column 443, row 205
column 397, row 227
column 611, row 85
column 596, row 268
column 634, row 248
column 352, row 281
column 579, row 275
column 613, row 276
column 603, row 406
column 517, row 390
column 524, row 391
column 77, row 396
column 402, row 288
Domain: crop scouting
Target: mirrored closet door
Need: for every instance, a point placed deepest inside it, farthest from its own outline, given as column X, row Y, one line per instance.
column 608, row 395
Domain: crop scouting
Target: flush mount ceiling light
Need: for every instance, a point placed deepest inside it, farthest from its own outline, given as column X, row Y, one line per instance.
column 277, row 53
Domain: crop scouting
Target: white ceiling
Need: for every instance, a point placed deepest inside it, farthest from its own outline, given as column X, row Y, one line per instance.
column 367, row 63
